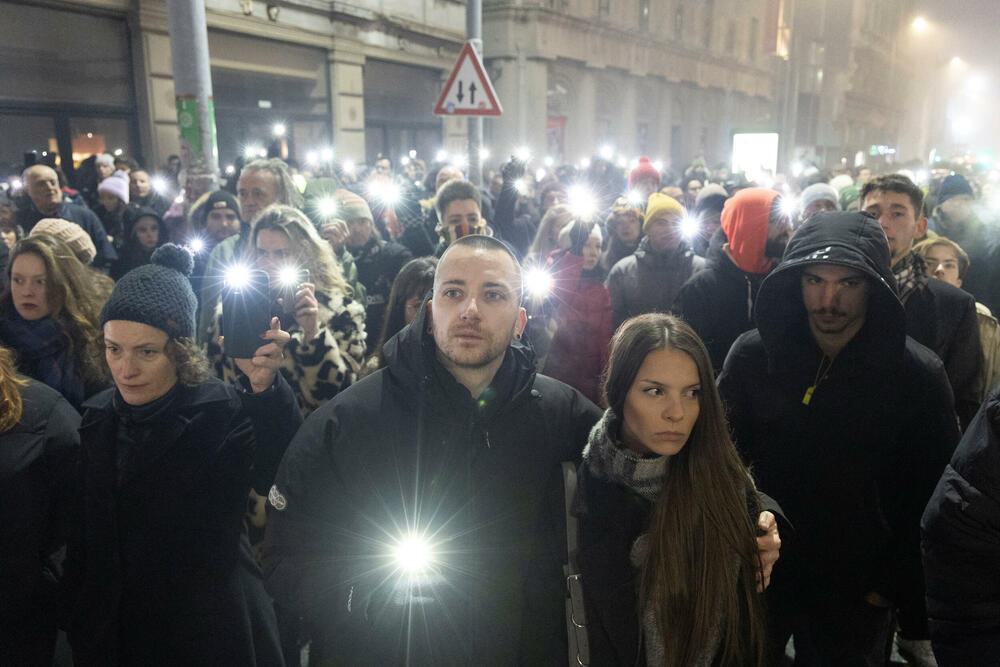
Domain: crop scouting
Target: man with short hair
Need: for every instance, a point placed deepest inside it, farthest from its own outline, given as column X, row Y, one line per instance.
column 938, row 315
column 42, row 185
column 818, row 198
column 445, row 458
column 718, row 302
column 459, row 210
column 947, row 261
column 143, row 194
column 848, row 423
column 262, row 183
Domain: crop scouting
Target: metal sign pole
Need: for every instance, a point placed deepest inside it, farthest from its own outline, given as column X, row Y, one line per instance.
column 474, row 28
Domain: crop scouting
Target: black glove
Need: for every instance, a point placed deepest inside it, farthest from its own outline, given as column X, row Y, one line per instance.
column 513, row 170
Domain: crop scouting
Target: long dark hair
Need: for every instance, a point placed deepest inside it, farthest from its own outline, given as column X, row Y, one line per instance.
column 74, row 299
column 700, row 571
column 416, row 277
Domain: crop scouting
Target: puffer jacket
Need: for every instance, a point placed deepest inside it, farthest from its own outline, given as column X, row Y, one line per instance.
column 648, row 281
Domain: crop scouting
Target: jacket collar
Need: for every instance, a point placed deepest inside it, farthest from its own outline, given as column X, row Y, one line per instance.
column 99, row 406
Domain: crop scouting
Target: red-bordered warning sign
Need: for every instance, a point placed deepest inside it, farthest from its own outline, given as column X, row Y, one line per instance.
column 468, row 91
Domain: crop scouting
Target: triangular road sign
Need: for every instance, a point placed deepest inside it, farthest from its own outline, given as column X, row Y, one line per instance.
column 468, row 91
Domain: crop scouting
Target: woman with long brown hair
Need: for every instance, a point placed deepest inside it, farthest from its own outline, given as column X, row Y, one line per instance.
column 48, row 317
column 668, row 555
column 39, row 451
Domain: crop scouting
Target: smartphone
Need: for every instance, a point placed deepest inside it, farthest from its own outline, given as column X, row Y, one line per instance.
column 286, row 290
column 246, row 314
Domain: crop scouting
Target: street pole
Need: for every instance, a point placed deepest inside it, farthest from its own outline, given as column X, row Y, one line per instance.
column 474, row 28
column 193, row 96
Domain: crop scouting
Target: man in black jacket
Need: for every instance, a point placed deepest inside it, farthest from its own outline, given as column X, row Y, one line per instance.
column 938, row 315
column 847, row 423
column 42, row 186
column 414, row 513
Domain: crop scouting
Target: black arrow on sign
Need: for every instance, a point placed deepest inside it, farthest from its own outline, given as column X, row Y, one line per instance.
column 460, row 95
column 472, row 93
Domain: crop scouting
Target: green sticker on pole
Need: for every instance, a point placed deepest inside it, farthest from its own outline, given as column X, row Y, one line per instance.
column 189, row 124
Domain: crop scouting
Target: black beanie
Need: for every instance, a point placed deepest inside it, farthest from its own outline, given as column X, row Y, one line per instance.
column 954, row 184
column 158, row 294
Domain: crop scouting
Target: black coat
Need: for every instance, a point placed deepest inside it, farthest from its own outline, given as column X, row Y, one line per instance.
column 611, row 518
column 854, row 467
column 718, row 304
column 378, row 263
column 943, row 318
column 162, row 563
column 106, row 255
column 961, row 547
column 407, row 448
column 38, row 463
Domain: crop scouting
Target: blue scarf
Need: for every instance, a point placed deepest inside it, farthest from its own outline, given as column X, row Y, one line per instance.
column 43, row 353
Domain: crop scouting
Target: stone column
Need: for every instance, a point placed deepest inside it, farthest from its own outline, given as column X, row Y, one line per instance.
column 347, row 95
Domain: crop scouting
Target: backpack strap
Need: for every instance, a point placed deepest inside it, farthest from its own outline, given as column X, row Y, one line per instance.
column 576, row 620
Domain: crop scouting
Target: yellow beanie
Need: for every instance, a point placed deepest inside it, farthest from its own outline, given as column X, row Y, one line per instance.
column 658, row 205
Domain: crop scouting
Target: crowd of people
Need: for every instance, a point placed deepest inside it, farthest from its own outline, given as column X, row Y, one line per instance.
column 780, row 398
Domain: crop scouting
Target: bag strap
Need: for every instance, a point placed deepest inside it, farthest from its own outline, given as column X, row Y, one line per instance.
column 576, row 619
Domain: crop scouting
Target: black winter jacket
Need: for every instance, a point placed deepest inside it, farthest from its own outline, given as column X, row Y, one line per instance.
column 718, row 304
column 38, row 463
column 855, row 466
column 407, row 450
column 943, row 318
column 378, row 262
column 162, row 562
column 961, row 547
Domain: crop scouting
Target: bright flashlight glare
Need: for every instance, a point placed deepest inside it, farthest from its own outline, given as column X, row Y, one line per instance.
column 441, row 156
column 278, row 129
column 690, row 226
column 237, row 276
column 159, row 184
column 348, row 166
column 312, row 157
column 413, row 554
column 413, row 154
column 326, row 155
column 658, row 165
column 405, row 160
column 789, row 206
column 326, row 207
column 179, row 199
column 538, row 282
column 539, row 174
column 230, row 169
column 16, row 184
column 288, row 276
column 484, row 154
column 385, row 192
column 460, row 160
column 585, row 163
column 636, row 198
column 622, row 162
column 521, row 186
column 522, row 153
column 251, row 152
column 919, row 24
column 118, row 152
column 607, row 152
column 582, row 202
column 196, row 245
column 548, row 161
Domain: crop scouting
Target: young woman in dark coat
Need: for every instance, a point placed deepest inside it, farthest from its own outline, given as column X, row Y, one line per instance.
column 39, row 450
column 161, row 563
column 670, row 567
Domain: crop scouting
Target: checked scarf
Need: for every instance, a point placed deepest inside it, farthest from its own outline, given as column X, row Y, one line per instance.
column 911, row 275
column 43, row 353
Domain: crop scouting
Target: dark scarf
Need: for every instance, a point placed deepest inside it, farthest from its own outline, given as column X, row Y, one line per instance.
column 136, row 424
column 43, row 349
column 911, row 275
column 609, row 459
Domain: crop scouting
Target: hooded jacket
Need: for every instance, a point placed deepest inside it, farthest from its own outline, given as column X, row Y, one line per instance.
column 853, row 466
column 961, row 547
column 744, row 221
column 648, row 281
column 408, row 450
column 132, row 253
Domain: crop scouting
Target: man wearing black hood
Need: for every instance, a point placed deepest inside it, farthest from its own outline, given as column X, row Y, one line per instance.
column 413, row 515
column 848, row 423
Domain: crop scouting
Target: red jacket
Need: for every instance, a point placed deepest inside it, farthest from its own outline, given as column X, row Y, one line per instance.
column 579, row 348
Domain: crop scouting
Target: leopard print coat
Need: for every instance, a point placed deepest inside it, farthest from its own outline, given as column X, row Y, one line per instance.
column 316, row 369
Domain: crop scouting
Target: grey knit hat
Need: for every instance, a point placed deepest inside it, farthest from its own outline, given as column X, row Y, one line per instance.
column 158, row 294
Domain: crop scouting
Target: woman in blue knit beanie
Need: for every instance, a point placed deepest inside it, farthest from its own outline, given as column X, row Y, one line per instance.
column 160, row 569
